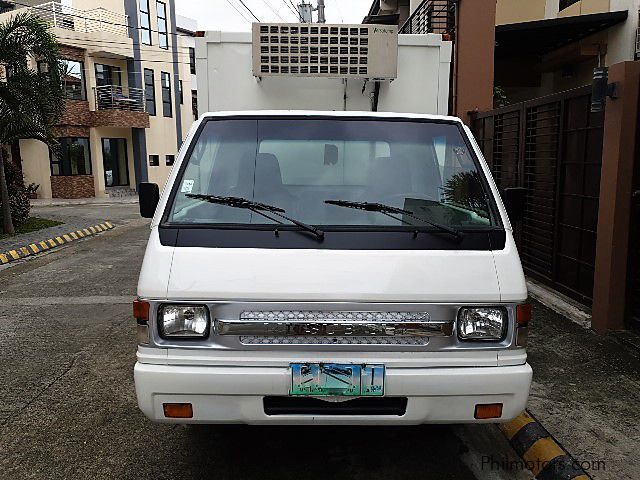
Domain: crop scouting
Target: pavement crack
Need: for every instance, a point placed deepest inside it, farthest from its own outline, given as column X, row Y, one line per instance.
column 45, row 389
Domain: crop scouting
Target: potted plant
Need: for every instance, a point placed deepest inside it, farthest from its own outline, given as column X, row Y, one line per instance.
column 32, row 190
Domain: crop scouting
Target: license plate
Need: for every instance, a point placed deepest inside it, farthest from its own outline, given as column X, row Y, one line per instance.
column 335, row 379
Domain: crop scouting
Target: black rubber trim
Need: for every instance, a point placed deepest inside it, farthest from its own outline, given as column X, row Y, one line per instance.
column 234, row 237
column 396, row 406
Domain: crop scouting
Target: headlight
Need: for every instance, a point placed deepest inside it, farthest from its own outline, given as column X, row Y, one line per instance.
column 482, row 323
column 184, row 321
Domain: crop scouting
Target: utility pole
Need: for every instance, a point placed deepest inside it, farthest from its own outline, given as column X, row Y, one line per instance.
column 321, row 17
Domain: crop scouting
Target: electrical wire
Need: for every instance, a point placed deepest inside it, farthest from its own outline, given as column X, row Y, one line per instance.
column 250, row 11
column 36, row 7
column 274, row 10
column 294, row 9
column 239, row 12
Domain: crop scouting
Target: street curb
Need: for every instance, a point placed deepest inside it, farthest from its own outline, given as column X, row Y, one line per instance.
column 540, row 452
column 53, row 243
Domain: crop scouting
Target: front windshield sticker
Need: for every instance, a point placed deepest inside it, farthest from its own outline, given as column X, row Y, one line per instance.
column 187, row 186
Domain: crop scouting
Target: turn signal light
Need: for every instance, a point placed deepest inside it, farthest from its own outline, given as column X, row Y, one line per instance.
column 141, row 310
column 523, row 314
column 488, row 410
column 178, row 410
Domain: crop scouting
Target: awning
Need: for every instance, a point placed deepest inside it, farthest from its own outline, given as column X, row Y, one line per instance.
column 544, row 36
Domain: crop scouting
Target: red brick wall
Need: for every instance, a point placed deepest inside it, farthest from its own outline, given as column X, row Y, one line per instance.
column 120, row 118
column 72, row 53
column 71, row 131
column 76, row 113
column 77, row 186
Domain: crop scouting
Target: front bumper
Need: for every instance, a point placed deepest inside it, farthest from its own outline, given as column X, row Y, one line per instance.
column 234, row 394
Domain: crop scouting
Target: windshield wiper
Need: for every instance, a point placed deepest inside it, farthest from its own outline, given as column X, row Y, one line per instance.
column 390, row 211
column 259, row 208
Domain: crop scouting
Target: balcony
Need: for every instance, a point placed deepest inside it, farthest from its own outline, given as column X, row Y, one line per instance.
column 118, row 106
column 116, row 97
column 432, row 16
column 96, row 20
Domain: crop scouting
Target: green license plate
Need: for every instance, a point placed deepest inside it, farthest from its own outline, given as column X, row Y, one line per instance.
column 336, row 379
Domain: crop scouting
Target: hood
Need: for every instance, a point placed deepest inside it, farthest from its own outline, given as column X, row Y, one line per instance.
column 247, row 274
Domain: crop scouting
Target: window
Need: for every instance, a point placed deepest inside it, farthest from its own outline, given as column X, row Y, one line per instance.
column 180, row 92
column 170, row 159
column 149, row 92
column 13, row 68
column 116, row 165
column 108, row 75
column 422, row 167
column 567, row 3
column 72, row 79
column 163, row 38
column 166, row 94
column 192, row 60
column 154, row 160
column 145, row 22
column 72, row 158
column 194, row 104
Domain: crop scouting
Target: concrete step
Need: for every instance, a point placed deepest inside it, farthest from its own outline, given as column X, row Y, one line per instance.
column 121, row 192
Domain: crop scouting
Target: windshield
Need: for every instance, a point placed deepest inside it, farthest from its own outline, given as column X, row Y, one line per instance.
column 299, row 164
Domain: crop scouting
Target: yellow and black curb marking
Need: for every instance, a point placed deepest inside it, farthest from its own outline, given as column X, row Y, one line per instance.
column 541, row 453
column 50, row 244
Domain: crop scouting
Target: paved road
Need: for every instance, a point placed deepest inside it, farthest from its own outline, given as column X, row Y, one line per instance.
column 68, row 409
column 73, row 217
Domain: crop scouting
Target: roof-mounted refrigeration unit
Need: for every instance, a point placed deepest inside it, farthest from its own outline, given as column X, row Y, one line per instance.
column 322, row 50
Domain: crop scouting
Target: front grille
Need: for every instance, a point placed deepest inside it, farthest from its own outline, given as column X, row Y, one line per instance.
column 327, row 327
column 396, row 406
column 324, row 340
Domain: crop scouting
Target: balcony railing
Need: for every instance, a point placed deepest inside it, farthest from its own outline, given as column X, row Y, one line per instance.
column 115, row 97
column 432, row 16
column 84, row 21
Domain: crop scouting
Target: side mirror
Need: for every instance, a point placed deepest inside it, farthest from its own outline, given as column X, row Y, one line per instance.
column 514, row 200
column 149, row 196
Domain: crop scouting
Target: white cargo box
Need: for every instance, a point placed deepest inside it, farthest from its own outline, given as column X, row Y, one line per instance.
column 226, row 81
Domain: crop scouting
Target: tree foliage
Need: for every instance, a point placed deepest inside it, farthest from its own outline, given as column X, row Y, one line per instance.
column 31, row 101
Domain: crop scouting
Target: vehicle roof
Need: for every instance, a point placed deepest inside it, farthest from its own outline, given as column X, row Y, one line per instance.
column 318, row 113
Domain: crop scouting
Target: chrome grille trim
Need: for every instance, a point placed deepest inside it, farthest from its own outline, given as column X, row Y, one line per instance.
column 333, row 325
column 310, row 340
column 330, row 315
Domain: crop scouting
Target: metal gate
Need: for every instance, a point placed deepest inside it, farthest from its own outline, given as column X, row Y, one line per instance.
column 633, row 289
column 552, row 146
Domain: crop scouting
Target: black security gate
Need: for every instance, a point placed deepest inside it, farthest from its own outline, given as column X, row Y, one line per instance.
column 633, row 269
column 552, row 146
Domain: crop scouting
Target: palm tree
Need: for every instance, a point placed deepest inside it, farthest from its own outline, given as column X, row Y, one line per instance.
column 31, row 100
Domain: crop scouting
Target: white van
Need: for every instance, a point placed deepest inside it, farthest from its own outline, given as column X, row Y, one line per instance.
column 331, row 268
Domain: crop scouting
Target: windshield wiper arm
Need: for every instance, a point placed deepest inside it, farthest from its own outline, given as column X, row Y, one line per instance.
column 390, row 211
column 257, row 207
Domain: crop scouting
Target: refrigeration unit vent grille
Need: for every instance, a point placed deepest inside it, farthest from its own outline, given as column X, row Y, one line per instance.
column 321, row 50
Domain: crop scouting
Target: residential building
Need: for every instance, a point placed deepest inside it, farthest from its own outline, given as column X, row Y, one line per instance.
column 549, row 46
column 187, row 28
column 126, row 115
column 470, row 25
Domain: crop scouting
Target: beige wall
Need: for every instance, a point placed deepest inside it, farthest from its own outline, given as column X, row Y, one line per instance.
column 585, row 7
column 97, row 162
column 516, row 11
column 36, row 166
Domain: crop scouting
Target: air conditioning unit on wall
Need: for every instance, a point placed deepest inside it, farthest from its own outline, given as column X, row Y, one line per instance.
column 322, row 50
